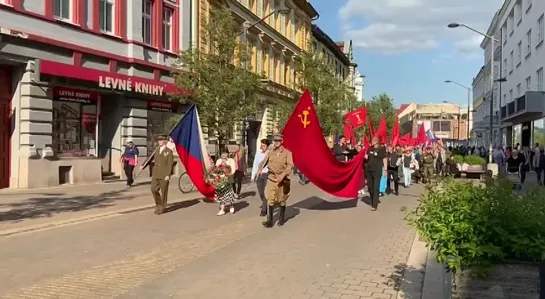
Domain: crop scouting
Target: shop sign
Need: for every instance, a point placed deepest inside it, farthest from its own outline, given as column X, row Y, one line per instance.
column 74, row 95
column 130, row 85
column 162, row 106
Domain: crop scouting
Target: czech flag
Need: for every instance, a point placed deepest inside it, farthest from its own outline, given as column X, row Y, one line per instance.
column 188, row 139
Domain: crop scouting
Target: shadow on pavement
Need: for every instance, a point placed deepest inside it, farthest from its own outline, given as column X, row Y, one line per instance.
column 317, row 203
column 181, row 205
column 247, row 194
column 47, row 205
column 241, row 205
column 407, row 280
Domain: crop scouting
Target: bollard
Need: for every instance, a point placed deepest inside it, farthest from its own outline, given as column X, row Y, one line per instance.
column 447, row 279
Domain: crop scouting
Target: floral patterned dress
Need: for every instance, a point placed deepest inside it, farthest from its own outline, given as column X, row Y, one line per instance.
column 224, row 193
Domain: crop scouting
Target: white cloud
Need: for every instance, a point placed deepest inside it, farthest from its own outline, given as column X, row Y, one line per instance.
column 397, row 26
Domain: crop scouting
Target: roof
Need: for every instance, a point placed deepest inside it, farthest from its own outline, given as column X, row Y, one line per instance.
column 323, row 38
column 340, row 45
column 402, row 108
column 307, row 8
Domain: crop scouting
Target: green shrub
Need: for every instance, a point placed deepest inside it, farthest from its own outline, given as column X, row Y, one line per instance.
column 474, row 160
column 478, row 225
column 459, row 159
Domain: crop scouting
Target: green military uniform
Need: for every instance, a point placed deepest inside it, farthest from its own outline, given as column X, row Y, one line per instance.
column 162, row 169
column 279, row 162
column 428, row 167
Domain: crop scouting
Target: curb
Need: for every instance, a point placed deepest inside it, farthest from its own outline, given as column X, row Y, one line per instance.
column 413, row 280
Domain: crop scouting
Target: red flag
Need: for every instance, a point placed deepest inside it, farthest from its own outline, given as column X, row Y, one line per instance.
column 371, row 129
column 382, row 130
column 365, row 142
column 405, row 139
column 394, row 138
column 422, row 138
column 356, row 118
column 349, row 133
column 304, row 138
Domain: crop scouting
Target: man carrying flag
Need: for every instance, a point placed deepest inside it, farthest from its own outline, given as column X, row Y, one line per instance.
column 164, row 161
column 279, row 163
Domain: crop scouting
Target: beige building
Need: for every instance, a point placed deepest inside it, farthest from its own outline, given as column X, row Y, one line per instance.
column 447, row 121
column 276, row 44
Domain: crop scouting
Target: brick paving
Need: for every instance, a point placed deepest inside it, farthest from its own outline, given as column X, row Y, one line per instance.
column 329, row 249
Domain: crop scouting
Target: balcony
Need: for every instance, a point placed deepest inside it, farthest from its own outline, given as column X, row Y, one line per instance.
column 528, row 106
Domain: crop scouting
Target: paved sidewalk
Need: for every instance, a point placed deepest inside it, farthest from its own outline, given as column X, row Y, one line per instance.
column 27, row 210
column 329, row 248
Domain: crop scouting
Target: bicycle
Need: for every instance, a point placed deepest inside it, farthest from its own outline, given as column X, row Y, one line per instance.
column 185, row 184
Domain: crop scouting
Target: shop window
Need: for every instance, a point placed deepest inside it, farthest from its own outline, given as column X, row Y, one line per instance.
column 517, row 134
column 539, row 132
column 162, row 117
column 74, row 123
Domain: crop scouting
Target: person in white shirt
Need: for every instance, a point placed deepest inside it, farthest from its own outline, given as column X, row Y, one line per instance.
column 228, row 200
column 261, row 180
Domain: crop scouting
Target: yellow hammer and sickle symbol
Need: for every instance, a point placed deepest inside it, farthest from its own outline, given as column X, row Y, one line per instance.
column 358, row 117
column 304, row 117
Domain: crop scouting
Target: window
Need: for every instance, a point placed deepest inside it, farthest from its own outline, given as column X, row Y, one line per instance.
column 528, row 42
column 511, row 61
column 272, row 61
column 106, row 15
column 528, row 5
column 504, row 29
column 519, row 90
column 441, row 126
column 540, row 29
column 539, row 74
column 293, row 33
column 147, row 8
column 61, row 9
column 519, row 53
column 510, row 95
column 159, row 122
column 504, row 98
column 528, row 83
column 283, row 21
column 74, row 123
column 539, row 131
column 282, row 72
column 505, row 65
column 167, row 28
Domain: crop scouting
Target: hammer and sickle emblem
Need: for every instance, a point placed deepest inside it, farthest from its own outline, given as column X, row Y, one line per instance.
column 358, row 117
column 304, row 117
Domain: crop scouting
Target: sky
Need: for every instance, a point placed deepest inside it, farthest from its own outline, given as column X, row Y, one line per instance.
column 404, row 47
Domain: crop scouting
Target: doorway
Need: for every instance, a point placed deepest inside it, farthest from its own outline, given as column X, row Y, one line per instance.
column 526, row 135
column 252, row 133
column 5, row 124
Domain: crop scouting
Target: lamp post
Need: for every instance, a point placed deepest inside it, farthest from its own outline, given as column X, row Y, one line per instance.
column 492, row 80
column 281, row 8
column 468, row 107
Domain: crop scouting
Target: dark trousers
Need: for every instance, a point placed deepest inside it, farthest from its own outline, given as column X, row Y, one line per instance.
column 261, row 182
column 523, row 170
column 159, row 190
column 237, row 181
column 539, row 172
column 373, row 186
column 129, row 169
column 393, row 176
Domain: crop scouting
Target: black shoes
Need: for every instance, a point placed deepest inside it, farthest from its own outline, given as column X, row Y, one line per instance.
column 269, row 222
column 281, row 219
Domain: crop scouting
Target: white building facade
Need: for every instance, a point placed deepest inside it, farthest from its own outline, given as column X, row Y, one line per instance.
column 359, row 85
column 522, row 40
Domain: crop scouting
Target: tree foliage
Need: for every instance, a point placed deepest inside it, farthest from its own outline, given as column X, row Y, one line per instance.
column 224, row 88
column 377, row 107
column 332, row 97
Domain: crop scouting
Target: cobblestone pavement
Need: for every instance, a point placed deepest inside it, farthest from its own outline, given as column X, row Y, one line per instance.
column 329, row 248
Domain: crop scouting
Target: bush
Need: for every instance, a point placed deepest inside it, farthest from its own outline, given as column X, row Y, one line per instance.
column 474, row 160
column 478, row 225
column 459, row 159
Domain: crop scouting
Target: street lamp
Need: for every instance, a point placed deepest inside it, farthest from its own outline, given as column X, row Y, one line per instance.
column 492, row 41
column 468, row 105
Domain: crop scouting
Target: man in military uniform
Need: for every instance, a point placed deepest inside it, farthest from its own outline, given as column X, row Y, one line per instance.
column 428, row 161
column 279, row 162
column 162, row 169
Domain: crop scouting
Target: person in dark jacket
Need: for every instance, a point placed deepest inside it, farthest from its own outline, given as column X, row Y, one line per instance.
column 340, row 149
column 452, row 167
column 393, row 170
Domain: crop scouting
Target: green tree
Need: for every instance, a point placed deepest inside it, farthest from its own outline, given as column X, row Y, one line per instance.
column 224, row 88
column 331, row 96
column 377, row 107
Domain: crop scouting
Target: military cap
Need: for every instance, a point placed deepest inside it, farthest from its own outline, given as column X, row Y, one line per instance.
column 278, row 137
